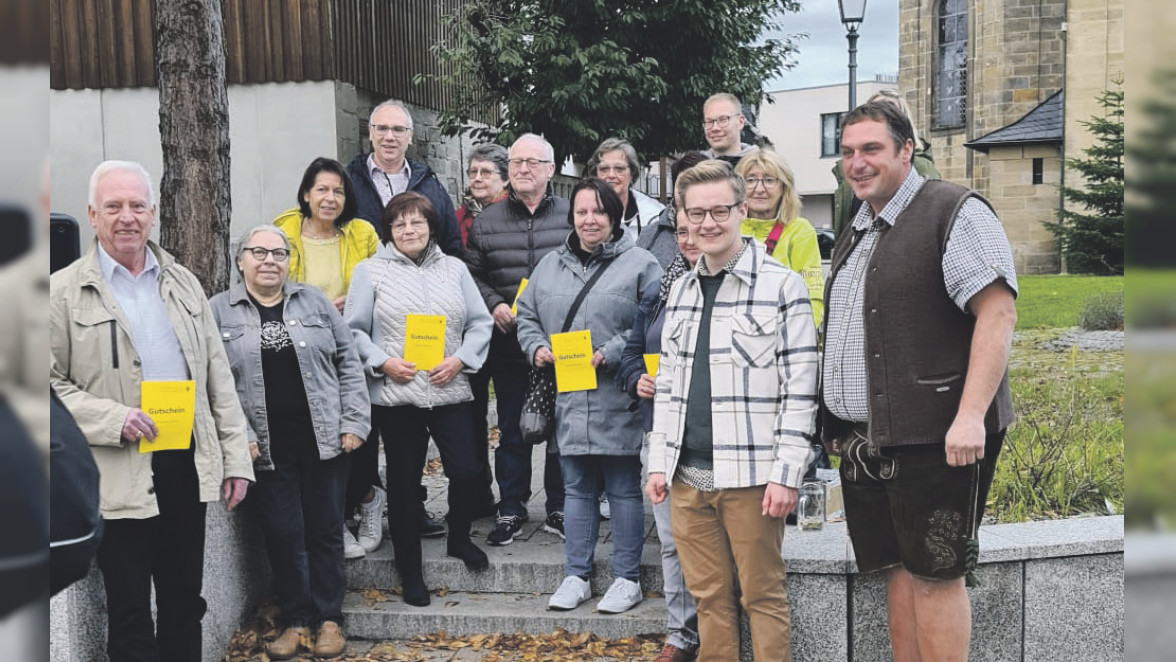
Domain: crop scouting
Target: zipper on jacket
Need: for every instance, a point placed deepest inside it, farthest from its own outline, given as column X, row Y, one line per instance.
column 114, row 342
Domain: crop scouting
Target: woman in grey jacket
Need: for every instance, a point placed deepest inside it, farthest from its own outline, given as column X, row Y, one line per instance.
column 409, row 275
column 598, row 436
column 301, row 386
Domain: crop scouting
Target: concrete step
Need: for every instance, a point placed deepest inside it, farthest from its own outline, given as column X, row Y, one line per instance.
column 532, row 564
column 385, row 617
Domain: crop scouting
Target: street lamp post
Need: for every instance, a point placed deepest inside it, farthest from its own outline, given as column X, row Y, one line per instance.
column 852, row 13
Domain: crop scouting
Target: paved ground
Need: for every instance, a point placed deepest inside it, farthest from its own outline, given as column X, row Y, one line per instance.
column 1090, row 341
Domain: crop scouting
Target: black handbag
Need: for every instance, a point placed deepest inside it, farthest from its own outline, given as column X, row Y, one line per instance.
column 537, row 422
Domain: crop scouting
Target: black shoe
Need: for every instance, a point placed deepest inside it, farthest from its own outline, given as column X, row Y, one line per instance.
column 430, row 527
column 504, row 532
column 555, row 524
column 415, row 592
column 464, row 549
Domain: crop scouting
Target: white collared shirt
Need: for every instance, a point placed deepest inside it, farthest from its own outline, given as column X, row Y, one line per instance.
column 151, row 330
column 388, row 185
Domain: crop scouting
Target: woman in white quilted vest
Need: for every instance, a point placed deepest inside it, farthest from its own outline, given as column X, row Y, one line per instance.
column 421, row 328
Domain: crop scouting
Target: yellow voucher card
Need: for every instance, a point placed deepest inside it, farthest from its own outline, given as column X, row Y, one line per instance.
column 172, row 406
column 424, row 340
column 651, row 361
column 514, row 307
column 573, row 361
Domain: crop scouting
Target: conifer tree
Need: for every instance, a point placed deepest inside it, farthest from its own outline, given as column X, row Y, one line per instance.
column 1090, row 227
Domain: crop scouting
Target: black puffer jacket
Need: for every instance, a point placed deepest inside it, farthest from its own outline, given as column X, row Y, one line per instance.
column 505, row 243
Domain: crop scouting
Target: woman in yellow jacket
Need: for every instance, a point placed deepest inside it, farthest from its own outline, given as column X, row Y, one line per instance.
column 773, row 219
column 326, row 239
column 326, row 242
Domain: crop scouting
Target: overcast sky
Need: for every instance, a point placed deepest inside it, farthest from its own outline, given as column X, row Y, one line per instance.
column 824, row 55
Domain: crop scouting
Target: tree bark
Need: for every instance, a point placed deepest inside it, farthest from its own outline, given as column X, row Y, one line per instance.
column 194, row 194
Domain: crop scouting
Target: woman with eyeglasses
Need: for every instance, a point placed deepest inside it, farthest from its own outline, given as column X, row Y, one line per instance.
column 488, row 176
column 615, row 162
column 391, row 294
column 773, row 218
column 326, row 242
column 660, row 237
column 301, row 386
column 634, row 378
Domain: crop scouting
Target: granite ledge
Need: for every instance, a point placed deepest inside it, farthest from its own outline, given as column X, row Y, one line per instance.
column 829, row 551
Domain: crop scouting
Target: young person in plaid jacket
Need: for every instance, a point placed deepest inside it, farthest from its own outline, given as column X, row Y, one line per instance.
column 734, row 415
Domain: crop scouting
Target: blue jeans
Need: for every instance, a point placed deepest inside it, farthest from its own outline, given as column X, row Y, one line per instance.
column 301, row 505
column 622, row 484
column 512, row 460
column 681, row 612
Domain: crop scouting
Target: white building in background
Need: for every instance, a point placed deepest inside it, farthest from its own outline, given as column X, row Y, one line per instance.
column 803, row 124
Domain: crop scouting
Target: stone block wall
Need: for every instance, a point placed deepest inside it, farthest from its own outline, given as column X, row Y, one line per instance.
column 1094, row 59
column 1022, row 206
column 1020, row 53
column 445, row 155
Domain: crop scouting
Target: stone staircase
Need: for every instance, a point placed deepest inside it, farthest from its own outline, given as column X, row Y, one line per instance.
column 509, row 597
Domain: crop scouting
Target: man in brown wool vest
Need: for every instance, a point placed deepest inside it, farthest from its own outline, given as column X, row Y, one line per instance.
column 915, row 396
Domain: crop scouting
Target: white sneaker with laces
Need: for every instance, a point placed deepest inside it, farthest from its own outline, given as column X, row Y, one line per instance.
column 351, row 547
column 570, row 594
column 622, row 596
column 371, row 521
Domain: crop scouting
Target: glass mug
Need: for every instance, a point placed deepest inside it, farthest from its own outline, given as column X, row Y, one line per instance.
column 810, row 507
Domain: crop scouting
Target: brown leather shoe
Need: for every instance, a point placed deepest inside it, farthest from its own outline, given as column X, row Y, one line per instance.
column 288, row 643
column 671, row 653
column 330, row 642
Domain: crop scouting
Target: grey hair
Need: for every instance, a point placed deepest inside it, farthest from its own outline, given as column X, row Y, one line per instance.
column 249, row 234
column 107, row 167
column 390, row 103
column 491, row 153
column 258, row 229
column 612, row 145
column 534, row 136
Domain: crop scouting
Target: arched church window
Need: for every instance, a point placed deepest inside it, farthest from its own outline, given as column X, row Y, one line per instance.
column 951, row 64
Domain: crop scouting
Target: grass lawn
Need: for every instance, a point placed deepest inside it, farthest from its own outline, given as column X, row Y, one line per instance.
column 1049, row 302
column 1063, row 456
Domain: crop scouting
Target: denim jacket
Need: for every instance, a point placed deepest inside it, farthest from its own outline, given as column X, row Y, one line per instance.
column 336, row 390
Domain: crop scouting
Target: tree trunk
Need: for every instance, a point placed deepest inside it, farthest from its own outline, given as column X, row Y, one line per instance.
column 194, row 197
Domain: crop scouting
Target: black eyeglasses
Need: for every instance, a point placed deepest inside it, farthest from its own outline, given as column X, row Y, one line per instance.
column 259, row 253
column 721, row 121
column 696, row 215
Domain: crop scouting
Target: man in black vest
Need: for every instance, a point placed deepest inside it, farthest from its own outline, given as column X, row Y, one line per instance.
column 507, row 241
column 915, row 398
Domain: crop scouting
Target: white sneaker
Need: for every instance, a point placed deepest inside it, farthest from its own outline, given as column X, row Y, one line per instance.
column 622, row 596
column 371, row 521
column 570, row 594
column 605, row 511
column 351, row 547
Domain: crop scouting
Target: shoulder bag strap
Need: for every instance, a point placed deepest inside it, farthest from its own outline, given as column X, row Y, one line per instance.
column 583, row 293
column 774, row 237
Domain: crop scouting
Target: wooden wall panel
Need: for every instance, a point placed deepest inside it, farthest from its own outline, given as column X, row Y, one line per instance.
column 376, row 45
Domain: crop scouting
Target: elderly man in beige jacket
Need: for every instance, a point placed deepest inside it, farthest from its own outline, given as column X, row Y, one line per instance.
column 124, row 314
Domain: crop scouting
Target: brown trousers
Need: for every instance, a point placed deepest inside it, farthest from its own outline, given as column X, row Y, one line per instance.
column 724, row 543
